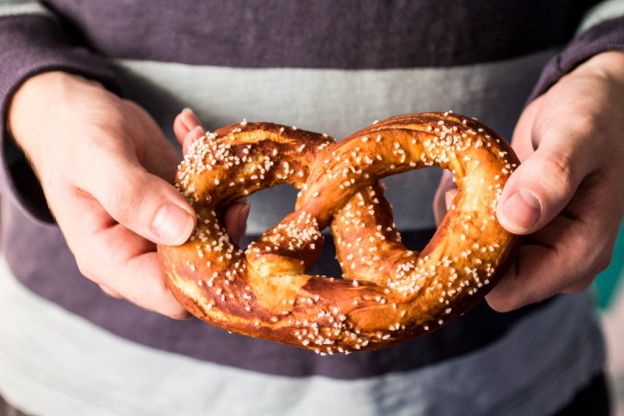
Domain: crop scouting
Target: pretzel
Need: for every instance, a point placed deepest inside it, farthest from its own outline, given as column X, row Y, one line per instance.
column 387, row 293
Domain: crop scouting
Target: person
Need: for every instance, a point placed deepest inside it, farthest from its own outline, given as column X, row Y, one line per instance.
column 89, row 93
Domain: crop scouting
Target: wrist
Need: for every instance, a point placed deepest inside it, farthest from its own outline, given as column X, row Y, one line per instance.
column 39, row 104
column 608, row 65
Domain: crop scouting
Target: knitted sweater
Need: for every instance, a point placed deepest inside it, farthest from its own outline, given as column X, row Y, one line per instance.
column 323, row 65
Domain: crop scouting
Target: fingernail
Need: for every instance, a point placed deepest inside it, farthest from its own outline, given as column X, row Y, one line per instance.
column 447, row 178
column 449, row 196
column 189, row 119
column 522, row 209
column 172, row 224
column 196, row 133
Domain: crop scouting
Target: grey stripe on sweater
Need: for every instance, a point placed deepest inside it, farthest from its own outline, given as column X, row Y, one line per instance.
column 12, row 8
column 601, row 12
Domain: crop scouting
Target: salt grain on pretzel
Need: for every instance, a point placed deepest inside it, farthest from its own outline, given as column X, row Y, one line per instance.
column 387, row 293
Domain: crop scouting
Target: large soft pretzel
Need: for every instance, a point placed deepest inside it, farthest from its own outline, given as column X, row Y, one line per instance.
column 387, row 292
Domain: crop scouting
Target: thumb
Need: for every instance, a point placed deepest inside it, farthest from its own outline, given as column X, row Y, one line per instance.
column 538, row 191
column 142, row 202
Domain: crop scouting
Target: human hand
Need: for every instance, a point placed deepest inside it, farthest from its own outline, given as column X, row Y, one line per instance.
column 187, row 128
column 567, row 196
column 102, row 162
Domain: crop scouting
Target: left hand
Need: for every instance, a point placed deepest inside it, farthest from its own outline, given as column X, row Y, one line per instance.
column 567, row 195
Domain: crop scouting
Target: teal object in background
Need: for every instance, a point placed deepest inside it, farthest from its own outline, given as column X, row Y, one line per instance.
column 612, row 279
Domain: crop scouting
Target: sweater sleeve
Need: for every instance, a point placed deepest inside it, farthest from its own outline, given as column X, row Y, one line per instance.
column 601, row 30
column 33, row 40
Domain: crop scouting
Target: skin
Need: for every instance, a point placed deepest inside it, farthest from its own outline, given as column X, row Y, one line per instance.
column 104, row 167
column 567, row 196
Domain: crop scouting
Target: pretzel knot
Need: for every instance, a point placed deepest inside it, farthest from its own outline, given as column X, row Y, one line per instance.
column 387, row 293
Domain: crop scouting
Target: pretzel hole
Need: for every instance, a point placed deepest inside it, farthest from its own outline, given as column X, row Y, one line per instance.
column 279, row 201
column 412, row 196
column 268, row 207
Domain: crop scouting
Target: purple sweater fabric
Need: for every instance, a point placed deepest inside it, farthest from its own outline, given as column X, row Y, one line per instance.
column 83, row 38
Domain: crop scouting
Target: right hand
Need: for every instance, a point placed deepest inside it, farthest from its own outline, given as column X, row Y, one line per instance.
column 104, row 167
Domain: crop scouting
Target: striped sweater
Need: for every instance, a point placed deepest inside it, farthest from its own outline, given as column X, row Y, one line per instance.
column 332, row 66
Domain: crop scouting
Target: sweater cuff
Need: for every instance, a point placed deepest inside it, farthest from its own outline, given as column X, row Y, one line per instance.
column 29, row 45
column 603, row 37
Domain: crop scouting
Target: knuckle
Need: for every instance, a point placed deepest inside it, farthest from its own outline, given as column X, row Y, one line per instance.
column 110, row 292
column 579, row 287
column 124, row 196
column 161, row 300
column 171, row 310
column 603, row 261
column 98, row 142
column 504, row 303
column 85, row 268
column 177, row 314
column 598, row 253
column 558, row 171
column 130, row 104
column 584, row 123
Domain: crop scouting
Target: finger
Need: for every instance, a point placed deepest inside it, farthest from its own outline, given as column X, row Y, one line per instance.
column 149, row 145
column 537, row 191
column 110, row 292
column 184, row 123
column 549, row 263
column 142, row 283
column 123, row 263
column 140, row 201
column 518, row 286
column 439, row 201
column 138, row 279
column 579, row 286
column 538, row 273
column 193, row 135
column 162, row 160
column 546, row 181
column 235, row 220
column 449, row 196
column 522, row 142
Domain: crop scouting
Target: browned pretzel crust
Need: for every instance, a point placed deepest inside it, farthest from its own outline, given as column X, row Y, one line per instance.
column 388, row 293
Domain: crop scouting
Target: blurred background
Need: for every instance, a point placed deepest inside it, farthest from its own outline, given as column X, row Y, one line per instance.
column 610, row 301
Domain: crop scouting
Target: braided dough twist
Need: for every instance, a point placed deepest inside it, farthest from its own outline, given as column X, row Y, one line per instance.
column 388, row 293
